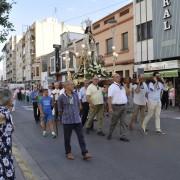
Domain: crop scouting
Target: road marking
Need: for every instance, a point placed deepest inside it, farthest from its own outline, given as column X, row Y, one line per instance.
column 23, row 165
column 28, row 108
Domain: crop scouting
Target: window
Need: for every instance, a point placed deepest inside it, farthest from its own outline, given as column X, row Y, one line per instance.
column 120, row 73
column 97, row 48
column 126, row 73
column 109, row 44
column 124, row 12
column 52, row 64
column 125, row 41
column 63, row 61
column 96, row 26
column 149, row 30
column 138, row 1
column 71, row 60
column 110, row 19
column 144, row 31
column 37, row 71
column 44, row 66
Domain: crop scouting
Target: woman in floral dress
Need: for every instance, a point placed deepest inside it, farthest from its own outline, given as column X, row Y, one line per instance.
column 7, row 171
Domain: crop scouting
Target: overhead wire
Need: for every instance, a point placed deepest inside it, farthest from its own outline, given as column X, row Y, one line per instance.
column 95, row 11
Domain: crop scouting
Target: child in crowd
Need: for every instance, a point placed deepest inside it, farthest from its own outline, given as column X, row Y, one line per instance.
column 45, row 106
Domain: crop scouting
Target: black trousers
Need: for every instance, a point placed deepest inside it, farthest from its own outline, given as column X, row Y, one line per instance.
column 84, row 112
column 36, row 111
column 68, row 128
column 56, row 115
column 165, row 100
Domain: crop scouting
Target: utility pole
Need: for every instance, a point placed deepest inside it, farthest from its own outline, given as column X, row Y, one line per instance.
column 57, row 48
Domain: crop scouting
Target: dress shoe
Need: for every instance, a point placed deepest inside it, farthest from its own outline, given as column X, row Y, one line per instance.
column 87, row 157
column 160, row 133
column 109, row 137
column 124, row 139
column 100, row 133
column 70, row 156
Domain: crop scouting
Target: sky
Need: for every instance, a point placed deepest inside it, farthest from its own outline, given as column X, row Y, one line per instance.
column 25, row 12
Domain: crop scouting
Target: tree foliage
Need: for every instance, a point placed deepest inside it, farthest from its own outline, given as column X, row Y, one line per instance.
column 5, row 25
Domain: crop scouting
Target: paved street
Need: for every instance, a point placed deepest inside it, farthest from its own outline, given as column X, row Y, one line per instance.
column 149, row 157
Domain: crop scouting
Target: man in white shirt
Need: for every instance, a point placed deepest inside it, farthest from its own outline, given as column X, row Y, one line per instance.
column 95, row 99
column 55, row 95
column 139, row 90
column 154, row 103
column 84, row 102
column 117, row 101
column 50, row 89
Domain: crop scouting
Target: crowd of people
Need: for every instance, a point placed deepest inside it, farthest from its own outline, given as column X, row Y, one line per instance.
column 78, row 107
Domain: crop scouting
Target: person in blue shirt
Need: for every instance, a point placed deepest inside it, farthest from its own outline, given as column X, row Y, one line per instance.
column 45, row 106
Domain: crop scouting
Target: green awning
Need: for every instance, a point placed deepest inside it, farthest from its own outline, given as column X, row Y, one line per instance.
column 166, row 74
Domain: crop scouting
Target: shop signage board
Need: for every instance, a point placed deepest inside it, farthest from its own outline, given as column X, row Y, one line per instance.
column 174, row 64
column 167, row 15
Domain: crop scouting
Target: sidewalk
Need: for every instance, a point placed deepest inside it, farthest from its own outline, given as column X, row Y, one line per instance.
column 19, row 175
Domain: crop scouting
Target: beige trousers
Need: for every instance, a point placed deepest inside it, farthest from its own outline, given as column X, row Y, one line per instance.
column 154, row 109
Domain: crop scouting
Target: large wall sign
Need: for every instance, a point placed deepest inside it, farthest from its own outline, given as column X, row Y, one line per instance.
column 167, row 15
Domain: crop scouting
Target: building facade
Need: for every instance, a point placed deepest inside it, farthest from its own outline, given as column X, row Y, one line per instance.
column 9, row 56
column 114, row 40
column 23, row 56
column 157, row 36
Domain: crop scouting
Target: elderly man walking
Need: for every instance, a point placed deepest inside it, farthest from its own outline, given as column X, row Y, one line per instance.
column 117, row 101
column 96, row 103
column 69, row 108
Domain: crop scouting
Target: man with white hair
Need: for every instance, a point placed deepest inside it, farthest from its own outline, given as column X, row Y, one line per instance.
column 69, row 108
column 117, row 101
column 95, row 99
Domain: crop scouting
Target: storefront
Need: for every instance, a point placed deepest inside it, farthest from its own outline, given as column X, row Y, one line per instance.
column 169, row 70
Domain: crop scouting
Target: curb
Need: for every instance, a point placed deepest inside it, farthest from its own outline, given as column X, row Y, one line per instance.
column 28, row 166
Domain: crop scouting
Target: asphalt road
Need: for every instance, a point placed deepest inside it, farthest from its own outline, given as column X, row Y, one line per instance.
column 150, row 157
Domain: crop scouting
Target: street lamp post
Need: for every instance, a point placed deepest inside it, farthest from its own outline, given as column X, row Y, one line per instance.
column 84, row 59
column 68, row 59
column 57, row 48
column 115, row 55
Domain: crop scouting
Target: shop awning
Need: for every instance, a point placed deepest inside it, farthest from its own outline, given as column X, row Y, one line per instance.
column 166, row 74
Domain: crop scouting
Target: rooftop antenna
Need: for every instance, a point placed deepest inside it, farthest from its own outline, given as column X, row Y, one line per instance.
column 55, row 12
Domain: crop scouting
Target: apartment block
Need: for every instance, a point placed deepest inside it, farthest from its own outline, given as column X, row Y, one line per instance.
column 114, row 38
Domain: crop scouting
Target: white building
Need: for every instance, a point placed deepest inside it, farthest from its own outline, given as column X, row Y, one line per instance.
column 36, row 42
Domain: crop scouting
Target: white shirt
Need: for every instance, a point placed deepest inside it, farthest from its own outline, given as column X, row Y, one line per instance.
column 117, row 93
column 49, row 92
column 55, row 94
column 82, row 94
column 95, row 93
column 62, row 91
column 140, row 98
column 154, row 93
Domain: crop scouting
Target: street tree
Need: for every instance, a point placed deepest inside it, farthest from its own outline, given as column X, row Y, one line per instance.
column 5, row 25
